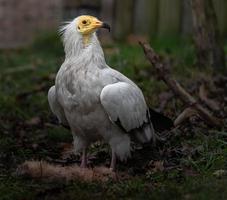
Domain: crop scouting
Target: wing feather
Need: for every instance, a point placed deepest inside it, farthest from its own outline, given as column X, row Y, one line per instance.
column 56, row 108
column 125, row 103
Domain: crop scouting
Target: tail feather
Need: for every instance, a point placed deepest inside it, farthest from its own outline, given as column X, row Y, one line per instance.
column 146, row 134
column 159, row 121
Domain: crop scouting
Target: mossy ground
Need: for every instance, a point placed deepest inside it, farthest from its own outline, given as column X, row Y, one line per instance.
column 27, row 131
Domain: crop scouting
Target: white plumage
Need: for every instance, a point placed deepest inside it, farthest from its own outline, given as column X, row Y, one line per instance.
column 95, row 101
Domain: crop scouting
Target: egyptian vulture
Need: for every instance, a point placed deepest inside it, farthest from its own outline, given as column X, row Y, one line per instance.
column 95, row 101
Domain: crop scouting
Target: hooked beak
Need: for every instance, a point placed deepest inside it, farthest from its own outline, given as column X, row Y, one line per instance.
column 99, row 24
column 106, row 26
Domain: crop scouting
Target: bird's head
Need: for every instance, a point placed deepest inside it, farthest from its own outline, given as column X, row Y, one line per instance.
column 87, row 25
column 80, row 33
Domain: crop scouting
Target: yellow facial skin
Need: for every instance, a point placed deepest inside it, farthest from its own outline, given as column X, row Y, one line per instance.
column 88, row 24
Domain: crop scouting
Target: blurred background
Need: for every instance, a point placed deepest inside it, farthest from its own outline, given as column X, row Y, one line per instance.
column 21, row 21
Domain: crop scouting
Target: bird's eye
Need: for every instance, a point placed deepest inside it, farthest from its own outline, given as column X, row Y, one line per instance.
column 84, row 22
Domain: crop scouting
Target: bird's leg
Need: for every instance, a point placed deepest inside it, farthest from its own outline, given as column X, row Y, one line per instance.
column 113, row 161
column 84, row 159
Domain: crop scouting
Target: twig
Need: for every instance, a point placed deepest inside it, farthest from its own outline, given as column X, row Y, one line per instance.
column 187, row 113
column 164, row 74
column 213, row 105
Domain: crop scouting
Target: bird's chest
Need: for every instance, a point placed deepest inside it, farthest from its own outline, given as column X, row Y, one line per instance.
column 84, row 86
column 81, row 101
column 88, row 86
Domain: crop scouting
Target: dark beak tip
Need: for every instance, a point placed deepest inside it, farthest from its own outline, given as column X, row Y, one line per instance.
column 106, row 26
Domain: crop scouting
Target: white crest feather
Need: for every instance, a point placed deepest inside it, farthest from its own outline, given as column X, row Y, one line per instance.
column 63, row 27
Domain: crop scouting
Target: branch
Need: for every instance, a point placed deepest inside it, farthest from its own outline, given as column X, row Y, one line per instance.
column 164, row 74
column 213, row 105
column 186, row 114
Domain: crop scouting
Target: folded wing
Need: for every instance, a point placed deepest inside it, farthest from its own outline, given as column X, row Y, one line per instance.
column 125, row 105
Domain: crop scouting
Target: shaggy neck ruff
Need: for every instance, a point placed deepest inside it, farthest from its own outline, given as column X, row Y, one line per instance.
column 77, row 50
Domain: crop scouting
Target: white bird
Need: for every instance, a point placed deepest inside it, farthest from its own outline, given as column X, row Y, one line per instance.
column 94, row 100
